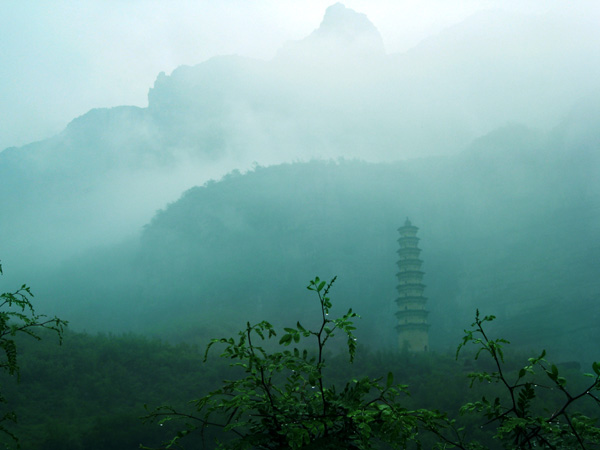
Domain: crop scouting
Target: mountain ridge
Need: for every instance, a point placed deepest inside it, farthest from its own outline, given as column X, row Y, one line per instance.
column 101, row 180
column 506, row 232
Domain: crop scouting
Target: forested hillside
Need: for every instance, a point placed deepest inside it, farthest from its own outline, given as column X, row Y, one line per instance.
column 92, row 391
column 335, row 93
column 508, row 227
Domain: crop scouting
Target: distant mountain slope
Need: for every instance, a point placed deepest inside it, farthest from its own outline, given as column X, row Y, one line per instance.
column 510, row 227
column 497, row 67
column 333, row 94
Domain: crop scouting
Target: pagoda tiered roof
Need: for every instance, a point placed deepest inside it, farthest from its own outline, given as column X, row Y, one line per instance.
column 412, row 316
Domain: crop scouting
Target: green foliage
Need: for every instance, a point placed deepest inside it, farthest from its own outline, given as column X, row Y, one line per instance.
column 97, row 385
column 89, row 392
column 284, row 401
column 17, row 316
column 522, row 421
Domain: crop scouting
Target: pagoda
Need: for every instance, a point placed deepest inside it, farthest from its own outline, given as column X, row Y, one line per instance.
column 413, row 329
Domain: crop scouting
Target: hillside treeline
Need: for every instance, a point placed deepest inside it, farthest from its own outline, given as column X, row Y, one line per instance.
column 89, row 393
column 507, row 227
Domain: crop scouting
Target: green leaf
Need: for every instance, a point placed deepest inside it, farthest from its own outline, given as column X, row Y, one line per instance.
column 286, row 339
column 390, row 379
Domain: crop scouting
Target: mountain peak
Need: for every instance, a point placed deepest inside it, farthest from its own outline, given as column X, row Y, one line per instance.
column 345, row 23
column 343, row 33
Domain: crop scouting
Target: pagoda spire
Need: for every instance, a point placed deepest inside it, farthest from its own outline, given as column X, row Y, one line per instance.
column 413, row 328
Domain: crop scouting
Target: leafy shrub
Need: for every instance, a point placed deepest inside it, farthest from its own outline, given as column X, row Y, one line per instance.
column 17, row 316
column 282, row 399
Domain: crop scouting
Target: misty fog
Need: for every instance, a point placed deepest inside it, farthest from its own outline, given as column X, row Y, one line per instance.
column 501, row 94
column 244, row 177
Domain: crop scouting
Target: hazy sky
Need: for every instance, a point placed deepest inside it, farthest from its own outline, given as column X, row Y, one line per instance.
column 59, row 59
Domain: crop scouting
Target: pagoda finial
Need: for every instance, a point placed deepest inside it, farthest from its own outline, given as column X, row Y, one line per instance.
column 407, row 223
